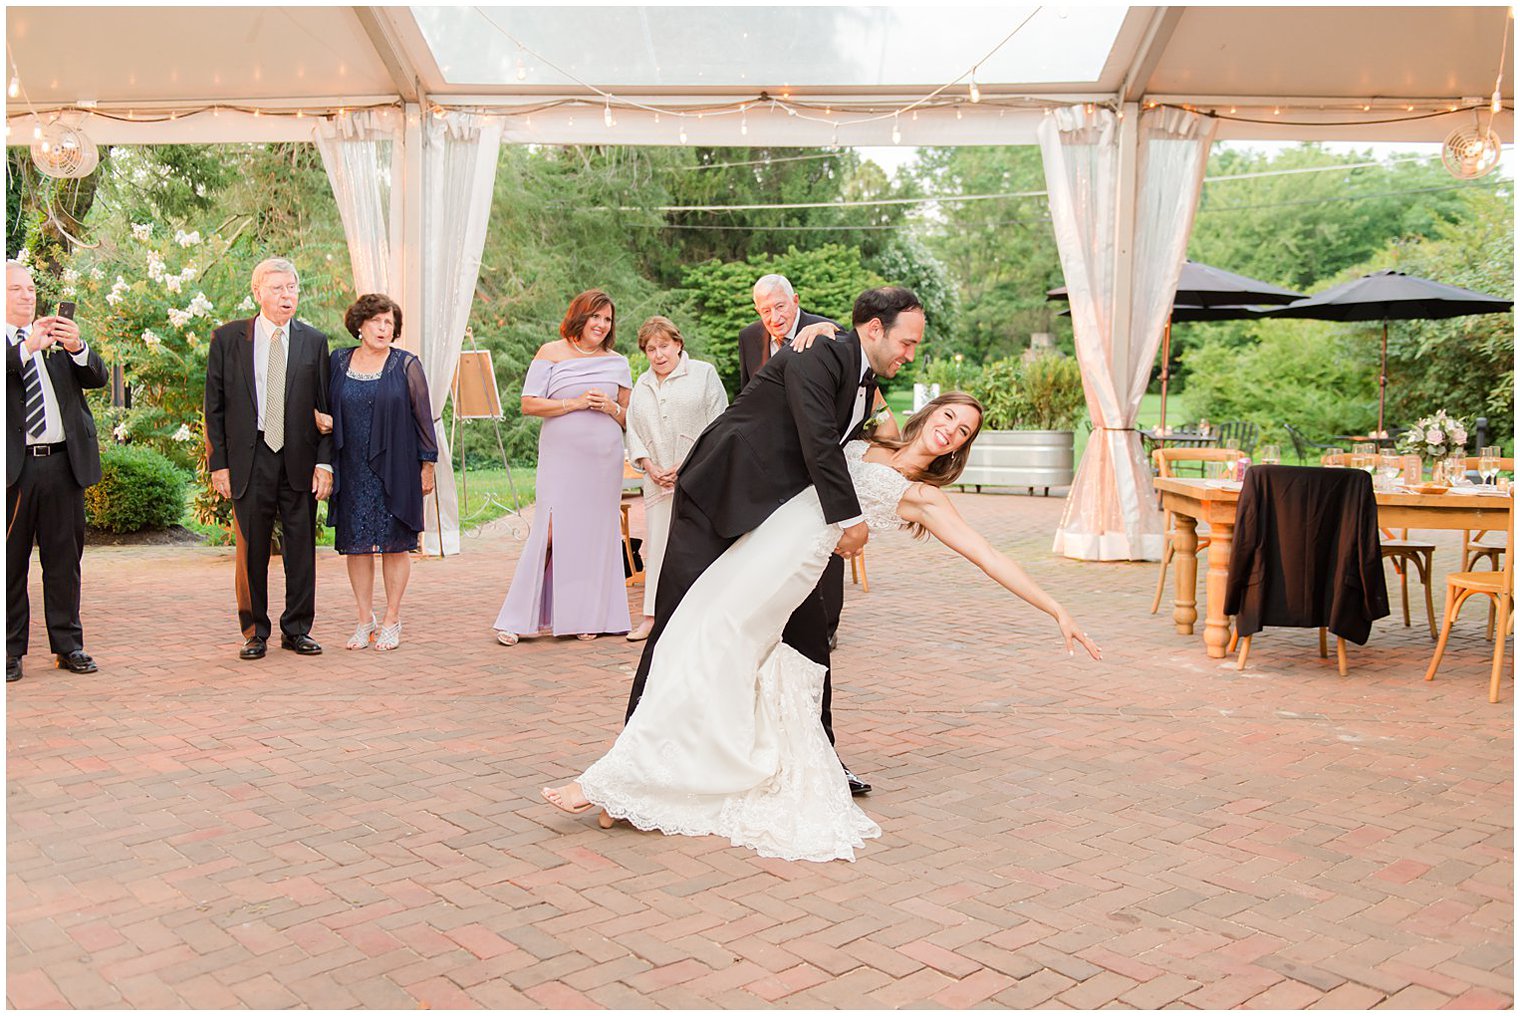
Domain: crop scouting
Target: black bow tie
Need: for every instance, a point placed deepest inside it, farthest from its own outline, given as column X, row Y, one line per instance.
column 868, row 378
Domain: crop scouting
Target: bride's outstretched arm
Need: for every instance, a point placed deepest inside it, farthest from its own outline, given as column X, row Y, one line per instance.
column 928, row 506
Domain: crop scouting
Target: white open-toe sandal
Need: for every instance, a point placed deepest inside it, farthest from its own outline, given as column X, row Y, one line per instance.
column 389, row 637
column 363, row 635
column 506, row 638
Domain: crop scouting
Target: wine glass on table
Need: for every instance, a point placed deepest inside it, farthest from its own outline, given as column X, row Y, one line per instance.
column 1456, row 469
column 1271, row 455
column 1390, row 465
column 1488, row 463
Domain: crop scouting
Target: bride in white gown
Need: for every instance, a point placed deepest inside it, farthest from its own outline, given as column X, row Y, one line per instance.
column 726, row 739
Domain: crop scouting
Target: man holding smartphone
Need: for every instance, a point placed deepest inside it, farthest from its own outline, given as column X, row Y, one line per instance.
column 51, row 456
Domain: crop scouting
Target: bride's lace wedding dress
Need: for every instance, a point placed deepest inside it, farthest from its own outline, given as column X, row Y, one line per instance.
column 726, row 739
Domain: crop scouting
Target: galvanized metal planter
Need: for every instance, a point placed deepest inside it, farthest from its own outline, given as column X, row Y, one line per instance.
column 1020, row 458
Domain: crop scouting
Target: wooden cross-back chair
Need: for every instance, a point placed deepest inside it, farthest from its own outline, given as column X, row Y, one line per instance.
column 1165, row 459
column 1404, row 553
column 1499, row 586
column 1480, row 544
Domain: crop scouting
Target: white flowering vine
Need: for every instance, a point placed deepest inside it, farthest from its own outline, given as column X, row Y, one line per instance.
column 183, row 434
column 142, row 231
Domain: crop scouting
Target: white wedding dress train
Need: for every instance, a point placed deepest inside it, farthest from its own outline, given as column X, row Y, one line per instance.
column 727, row 738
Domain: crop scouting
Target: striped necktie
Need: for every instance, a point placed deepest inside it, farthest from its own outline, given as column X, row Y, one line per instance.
column 274, row 393
column 36, row 409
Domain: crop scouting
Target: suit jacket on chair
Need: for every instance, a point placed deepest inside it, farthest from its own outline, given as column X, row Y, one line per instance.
column 232, row 410
column 69, row 381
column 1306, row 552
column 781, row 435
column 754, row 340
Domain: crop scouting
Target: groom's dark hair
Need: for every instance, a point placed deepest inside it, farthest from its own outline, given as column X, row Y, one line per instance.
column 884, row 304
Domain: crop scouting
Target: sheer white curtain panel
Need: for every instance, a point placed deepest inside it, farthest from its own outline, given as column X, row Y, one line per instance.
column 460, row 152
column 1122, row 200
column 359, row 151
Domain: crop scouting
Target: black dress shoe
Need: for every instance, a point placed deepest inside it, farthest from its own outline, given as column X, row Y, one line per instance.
column 12, row 669
column 302, row 644
column 78, row 661
column 858, row 786
column 253, row 649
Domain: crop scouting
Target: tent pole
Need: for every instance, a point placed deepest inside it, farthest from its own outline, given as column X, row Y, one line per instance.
column 1382, row 380
column 1166, row 361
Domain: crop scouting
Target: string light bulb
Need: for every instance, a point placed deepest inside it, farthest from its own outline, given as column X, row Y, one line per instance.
column 522, row 72
column 607, row 113
column 896, row 133
column 683, row 132
column 1497, row 105
column 15, row 87
column 976, row 93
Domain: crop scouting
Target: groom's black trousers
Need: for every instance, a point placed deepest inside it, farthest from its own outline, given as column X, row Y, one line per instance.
column 691, row 547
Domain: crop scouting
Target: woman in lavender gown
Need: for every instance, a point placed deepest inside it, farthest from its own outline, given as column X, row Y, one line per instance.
column 570, row 578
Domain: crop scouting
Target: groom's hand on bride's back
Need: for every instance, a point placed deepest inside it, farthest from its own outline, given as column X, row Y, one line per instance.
column 852, row 541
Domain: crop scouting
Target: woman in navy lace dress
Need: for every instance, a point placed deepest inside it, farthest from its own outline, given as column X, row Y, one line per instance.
column 383, row 434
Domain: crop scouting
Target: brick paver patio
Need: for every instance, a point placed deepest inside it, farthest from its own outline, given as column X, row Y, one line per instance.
column 360, row 829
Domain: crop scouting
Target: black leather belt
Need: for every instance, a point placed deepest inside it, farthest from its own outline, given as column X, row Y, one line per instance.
column 38, row 451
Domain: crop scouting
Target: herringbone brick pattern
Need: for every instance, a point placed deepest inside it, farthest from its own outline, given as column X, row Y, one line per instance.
column 362, row 829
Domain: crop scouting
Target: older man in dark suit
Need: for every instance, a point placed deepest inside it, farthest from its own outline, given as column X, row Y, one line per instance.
column 266, row 378
column 781, row 315
column 51, row 456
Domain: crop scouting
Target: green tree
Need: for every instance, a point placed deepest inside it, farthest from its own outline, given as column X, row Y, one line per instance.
column 1000, row 253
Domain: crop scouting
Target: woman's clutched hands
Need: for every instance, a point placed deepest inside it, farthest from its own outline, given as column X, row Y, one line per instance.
column 1074, row 635
column 601, row 402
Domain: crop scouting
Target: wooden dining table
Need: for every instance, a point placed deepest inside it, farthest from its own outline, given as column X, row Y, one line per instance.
column 1193, row 501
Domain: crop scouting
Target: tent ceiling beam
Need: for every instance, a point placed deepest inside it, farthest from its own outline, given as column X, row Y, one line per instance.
column 1152, row 49
column 390, row 51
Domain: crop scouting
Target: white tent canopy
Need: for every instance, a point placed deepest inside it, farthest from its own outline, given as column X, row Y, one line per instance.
column 1105, row 90
column 1290, row 73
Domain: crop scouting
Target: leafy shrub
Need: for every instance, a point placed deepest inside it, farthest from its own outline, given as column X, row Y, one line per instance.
column 999, row 388
column 1320, row 377
column 138, row 489
column 1040, row 394
column 1052, row 389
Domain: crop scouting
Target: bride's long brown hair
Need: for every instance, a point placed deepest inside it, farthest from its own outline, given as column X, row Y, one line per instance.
column 947, row 468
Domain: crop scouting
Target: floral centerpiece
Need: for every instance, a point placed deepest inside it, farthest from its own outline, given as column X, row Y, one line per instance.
column 1435, row 437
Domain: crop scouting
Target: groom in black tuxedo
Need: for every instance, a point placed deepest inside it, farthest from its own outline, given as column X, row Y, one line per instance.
column 265, row 378
column 783, row 434
column 781, row 317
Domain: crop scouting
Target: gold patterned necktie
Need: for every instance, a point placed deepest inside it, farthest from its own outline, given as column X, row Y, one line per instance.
column 274, row 393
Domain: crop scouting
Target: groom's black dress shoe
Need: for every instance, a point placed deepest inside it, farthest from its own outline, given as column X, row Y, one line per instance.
column 78, row 662
column 858, row 786
column 12, row 669
column 302, row 644
column 253, row 649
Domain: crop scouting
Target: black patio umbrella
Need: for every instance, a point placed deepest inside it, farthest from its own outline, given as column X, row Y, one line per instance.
column 1206, row 293
column 1391, row 295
